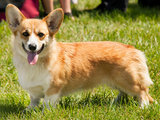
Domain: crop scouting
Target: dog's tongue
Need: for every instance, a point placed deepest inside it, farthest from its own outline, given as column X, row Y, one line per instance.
column 32, row 58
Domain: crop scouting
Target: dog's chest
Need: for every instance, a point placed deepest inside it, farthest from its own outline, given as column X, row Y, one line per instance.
column 33, row 76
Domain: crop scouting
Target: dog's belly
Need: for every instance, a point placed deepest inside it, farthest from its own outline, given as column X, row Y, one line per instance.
column 88, row 83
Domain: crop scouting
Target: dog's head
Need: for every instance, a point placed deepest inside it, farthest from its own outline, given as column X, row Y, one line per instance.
column 32, row 35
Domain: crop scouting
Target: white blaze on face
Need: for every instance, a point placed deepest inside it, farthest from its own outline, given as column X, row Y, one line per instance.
column 32, row 40
column 32, row 56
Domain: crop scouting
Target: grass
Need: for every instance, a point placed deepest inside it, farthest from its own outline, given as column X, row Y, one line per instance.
column 139, row 27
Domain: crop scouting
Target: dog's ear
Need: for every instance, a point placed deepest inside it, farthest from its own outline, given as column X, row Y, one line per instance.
column 14, row 17
column 54, row 20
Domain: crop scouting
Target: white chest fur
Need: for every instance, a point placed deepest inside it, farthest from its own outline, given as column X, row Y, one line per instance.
column 32, row 76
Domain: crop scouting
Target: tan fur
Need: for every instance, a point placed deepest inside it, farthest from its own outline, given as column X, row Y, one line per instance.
column 75, row 66
column 92, row 63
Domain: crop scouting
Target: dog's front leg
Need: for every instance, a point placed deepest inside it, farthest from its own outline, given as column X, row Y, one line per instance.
column 51, row 100
column 35, row 95
column 34, row 102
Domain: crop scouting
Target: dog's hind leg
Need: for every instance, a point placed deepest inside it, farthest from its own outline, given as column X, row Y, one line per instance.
column 143, row 99
column 151, row 100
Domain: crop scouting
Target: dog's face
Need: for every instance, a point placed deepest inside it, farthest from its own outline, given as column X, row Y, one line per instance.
column 33, row 35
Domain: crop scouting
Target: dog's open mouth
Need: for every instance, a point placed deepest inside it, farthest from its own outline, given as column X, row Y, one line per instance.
column 32, row 56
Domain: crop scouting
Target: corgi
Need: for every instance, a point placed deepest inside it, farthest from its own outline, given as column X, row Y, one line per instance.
column 49, row 69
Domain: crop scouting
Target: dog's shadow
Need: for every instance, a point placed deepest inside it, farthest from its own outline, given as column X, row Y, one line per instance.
column 94, row 100
column 69, row 102
column 11, row 108
column 18, row 110
column 7, row 109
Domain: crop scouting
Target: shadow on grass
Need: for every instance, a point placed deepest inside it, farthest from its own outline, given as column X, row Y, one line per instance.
column 95, row 100
column 11, row 108
column 18, row 110
column 133, row 11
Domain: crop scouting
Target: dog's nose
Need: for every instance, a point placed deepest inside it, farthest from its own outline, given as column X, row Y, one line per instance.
column 32, row 47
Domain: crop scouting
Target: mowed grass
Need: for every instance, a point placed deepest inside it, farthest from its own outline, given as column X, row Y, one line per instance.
column 139, row 27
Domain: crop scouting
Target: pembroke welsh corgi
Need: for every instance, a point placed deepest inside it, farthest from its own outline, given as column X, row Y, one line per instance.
column 49, row 69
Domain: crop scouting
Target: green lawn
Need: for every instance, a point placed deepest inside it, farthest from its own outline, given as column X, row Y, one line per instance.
column 139, row 27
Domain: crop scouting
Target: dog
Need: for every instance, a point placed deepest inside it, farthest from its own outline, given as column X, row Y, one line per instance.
column 49, row 69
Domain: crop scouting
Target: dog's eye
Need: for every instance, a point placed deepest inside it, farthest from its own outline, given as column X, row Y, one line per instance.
column 26, row 34
column 40, row 34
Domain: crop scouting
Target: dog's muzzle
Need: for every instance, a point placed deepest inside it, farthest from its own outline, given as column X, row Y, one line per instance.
column 38, row 52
